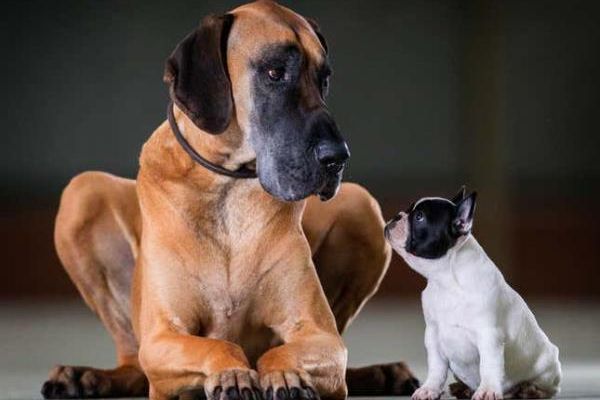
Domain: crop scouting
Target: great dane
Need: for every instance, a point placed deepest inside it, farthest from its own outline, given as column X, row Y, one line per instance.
column 211, row 281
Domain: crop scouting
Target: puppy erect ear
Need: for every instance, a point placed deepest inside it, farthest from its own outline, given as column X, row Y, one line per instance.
column 315, row 27
column 465, row 209
column 459, row 196
column 197, row 74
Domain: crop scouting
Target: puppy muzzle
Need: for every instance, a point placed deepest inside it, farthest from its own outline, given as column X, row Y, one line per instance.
column 396, row 230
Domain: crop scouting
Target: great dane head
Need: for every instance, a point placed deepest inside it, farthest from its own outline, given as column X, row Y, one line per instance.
column 262, row 72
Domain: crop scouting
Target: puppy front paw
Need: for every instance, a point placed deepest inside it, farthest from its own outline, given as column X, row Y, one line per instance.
column 426, row 393
column 485, row 393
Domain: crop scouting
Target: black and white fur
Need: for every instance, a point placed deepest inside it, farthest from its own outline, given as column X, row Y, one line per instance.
column 477, row 326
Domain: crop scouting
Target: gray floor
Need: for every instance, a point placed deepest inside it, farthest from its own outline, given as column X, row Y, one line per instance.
column 33, row 337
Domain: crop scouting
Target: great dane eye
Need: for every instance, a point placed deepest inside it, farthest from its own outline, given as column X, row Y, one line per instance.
column 419, row 216
column 276, row 74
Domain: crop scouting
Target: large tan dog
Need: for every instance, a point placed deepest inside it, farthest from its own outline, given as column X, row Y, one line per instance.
column 236, row 288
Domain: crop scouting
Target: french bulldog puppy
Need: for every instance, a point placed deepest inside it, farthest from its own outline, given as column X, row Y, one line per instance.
column 477, row 326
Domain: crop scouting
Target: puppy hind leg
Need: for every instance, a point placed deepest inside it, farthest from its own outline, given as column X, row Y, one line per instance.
column 460, row 390
column 529, row 390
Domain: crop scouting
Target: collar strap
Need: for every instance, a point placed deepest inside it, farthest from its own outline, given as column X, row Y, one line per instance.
column 242, row 173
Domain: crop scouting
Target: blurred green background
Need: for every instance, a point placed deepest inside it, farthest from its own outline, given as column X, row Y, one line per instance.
column 499, row 95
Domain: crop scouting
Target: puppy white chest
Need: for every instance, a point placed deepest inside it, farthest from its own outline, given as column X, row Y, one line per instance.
column 449, row 313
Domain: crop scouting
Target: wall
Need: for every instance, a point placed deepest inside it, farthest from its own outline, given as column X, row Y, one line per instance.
column 430, row 95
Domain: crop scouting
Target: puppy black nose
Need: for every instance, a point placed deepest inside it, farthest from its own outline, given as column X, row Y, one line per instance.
column 332, row 156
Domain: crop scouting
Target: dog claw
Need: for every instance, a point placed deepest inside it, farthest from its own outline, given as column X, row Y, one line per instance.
column 288, row 385
column 312, row 393
column 233, row 384
column 52, row 390
column 282, row 394
column 233, row 393
column 295, row 393
column 74, row 382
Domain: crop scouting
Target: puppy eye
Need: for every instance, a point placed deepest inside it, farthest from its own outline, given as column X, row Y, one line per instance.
column 419, row 216
column 276, row 74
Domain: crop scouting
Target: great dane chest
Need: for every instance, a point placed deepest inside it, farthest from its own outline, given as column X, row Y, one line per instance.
column 235, row 320
column 227, row 305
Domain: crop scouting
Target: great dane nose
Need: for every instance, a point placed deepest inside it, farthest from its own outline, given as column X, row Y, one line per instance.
column 332, row 156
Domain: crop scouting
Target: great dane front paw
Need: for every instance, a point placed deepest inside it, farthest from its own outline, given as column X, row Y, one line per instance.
column 483, row 393
column 288, row 385
column 75, row 382
column 233, row 384
column 426, row 393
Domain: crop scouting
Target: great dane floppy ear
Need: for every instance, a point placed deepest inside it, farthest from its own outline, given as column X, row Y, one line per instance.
column 315, row 28
column 197, row 74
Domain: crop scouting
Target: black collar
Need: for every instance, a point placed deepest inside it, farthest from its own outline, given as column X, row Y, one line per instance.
column 242, row 173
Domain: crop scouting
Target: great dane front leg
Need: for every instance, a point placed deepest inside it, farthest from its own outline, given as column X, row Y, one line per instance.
column 312, row 359
column 176, row 362
column 308, row 367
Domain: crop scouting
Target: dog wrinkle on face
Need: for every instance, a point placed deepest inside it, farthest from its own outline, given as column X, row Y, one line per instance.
column 275, row 116
column 256, row 26
column 279, row 131
column 264, row 20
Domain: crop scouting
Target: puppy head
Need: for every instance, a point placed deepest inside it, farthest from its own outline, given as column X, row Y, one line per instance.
column 432, row 226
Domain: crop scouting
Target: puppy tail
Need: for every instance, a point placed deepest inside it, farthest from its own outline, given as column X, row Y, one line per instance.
column 394, row 379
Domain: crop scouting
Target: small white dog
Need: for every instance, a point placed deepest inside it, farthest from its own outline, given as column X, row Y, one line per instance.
column 476, row 324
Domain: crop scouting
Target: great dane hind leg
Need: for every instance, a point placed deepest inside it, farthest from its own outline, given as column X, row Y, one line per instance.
column 351, row 256
column 85, row 382
column 95, row 228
